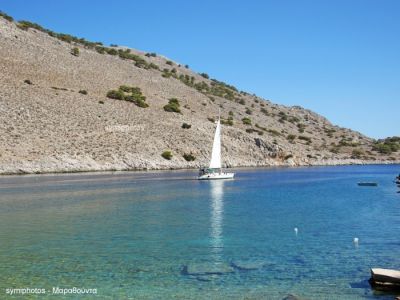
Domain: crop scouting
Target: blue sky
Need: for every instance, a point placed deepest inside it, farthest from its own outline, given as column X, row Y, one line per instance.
column 340, row 58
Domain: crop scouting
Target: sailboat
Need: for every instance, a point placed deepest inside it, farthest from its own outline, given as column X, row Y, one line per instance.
column 214, row 171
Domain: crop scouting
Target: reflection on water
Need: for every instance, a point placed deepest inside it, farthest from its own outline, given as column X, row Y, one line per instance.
column 216, row 222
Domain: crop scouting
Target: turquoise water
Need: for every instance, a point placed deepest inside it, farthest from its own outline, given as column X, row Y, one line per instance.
column 163, row 235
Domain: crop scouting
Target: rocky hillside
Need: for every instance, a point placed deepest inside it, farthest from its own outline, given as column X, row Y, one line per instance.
column 67, row 104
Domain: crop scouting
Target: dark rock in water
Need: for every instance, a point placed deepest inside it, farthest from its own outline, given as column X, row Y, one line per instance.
column 205, row 278
column 292, row 297
column 206, row 268
column 248, row 265
column 360, row 285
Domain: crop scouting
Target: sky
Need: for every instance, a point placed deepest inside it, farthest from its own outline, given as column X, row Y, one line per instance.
column 339, row 58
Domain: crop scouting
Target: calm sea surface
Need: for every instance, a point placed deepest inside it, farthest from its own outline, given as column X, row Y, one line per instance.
column 164, row 235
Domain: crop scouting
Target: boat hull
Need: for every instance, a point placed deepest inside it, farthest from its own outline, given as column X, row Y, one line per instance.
column 216, row 176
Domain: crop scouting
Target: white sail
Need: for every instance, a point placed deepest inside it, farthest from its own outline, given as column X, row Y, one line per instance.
column 215, row 162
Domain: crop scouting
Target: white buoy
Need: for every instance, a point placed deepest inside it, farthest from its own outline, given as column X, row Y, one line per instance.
column 296, row 230
column 355, row 241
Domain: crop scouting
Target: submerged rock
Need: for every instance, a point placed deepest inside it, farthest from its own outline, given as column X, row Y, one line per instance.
column 292, row 297
column 206, row 268
column 243, row 265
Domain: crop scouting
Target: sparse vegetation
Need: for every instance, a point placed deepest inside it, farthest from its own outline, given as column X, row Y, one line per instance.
column 228, row 122
column 189, row 157
column 169, row 62
column 186, row 126
column 248, row 111
column 251, row 130
column 387, row 146
column 264, row 111
column 357, row 153
column 301, row 127
column 291, row 138
column 246, row 121
column 83, row 92
column 173, row 106
column 305, row 138
column 152, row 54
column 128, row 93
column 205, row 75
column 167, row 155
column 5, row 16
column 274, row 132
column 27, row 81
column 75, row 51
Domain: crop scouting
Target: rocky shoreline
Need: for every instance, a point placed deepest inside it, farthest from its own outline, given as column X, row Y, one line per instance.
column 92, row 166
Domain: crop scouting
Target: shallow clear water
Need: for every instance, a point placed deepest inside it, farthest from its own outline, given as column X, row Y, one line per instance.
column 164, row 235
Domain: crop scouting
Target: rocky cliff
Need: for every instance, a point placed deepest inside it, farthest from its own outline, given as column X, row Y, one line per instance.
column 55, row 115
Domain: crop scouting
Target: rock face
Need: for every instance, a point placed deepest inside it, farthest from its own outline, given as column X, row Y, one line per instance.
column 47, row 125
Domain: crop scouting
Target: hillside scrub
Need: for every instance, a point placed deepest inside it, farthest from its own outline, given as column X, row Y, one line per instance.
column 173, row 106
column 128, row 93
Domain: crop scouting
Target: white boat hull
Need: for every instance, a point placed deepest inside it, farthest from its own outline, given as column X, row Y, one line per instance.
column 213, row 176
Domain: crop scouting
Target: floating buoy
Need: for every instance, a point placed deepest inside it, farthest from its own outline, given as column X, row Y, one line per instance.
column 296, row 230
column 355, row 241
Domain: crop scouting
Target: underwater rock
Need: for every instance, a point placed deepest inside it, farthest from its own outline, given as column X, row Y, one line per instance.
column 244, row 265
column 292, row 297
column 206, row 268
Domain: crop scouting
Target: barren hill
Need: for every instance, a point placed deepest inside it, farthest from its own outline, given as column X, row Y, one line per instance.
column 55, row 114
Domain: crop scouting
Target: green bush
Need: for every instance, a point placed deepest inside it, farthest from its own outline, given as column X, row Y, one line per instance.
column 173, row 106
column 274, row 132
column 228, row 122
column 385, row 148
column 248, row 111
column 167, row 155
column 25, row 25
column 304, row 138
column 264, row 111
column 75, row 51
column 189, row 157
column 301, row 127
column 111, row 51
column 205, row 75
column 357, row 153
column 5, row 16
column 152, row 54
column 131, row 94
column 291, row 137
column 288, row 156
column 116, row 94
column 169, row 62
column 251, row 130
column 246, row 121
column 186, row 126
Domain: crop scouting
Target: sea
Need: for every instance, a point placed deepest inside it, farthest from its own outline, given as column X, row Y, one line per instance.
column 308, row 232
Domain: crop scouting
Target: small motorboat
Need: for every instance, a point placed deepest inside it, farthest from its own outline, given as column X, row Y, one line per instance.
column 368, row 184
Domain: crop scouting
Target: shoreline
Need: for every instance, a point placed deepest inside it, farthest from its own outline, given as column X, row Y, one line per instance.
column 21, row 172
